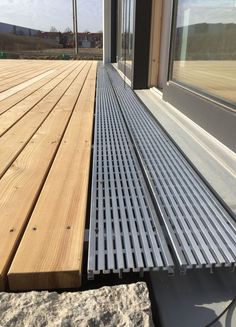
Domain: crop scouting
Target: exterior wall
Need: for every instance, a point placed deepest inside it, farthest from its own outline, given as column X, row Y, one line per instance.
column 86, row 44
column 18, row 30
column 55, row 37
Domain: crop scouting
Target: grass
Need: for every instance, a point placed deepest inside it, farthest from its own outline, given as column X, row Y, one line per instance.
column 26, row 47
column 84, row 54
column 11, row 42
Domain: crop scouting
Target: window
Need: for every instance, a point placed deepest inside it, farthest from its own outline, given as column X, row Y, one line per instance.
column 204, row 49
column 125, row 38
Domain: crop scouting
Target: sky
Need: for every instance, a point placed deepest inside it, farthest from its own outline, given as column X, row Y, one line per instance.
column 42, row 14
column 206, row 11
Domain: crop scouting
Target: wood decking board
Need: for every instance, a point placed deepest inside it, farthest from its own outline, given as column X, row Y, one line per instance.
column 18, row 78
column 21, row 185
column 13, row 71
column 18, row 75
column 8, row 118
column 9, row 66
column 25, row 67
column 15, row 80
column 50, row 253
column 12, row 142
column 45, row 147
column 14, row 98
column 19, row 87
column 26, row 70
column 8, row 73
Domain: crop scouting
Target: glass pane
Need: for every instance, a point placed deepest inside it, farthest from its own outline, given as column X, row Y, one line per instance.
column 205, row 47
column 125, row 46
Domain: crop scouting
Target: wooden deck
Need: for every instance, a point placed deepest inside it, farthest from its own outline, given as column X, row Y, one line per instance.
column 46, row 122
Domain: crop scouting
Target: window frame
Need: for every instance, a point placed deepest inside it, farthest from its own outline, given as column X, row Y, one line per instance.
column 213, row 115
column 139, row 72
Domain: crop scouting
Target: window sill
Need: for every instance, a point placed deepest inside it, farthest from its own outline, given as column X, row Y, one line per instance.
column 215, row 162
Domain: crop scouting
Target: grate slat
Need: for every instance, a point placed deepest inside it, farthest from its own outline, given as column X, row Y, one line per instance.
column 125, row 233
column 201, row 231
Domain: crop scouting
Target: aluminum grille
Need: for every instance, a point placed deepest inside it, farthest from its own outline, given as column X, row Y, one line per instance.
column 125, row 234
column 200, row 230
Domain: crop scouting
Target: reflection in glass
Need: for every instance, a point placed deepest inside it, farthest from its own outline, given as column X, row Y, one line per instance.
column 125, row 46
column 205, row 47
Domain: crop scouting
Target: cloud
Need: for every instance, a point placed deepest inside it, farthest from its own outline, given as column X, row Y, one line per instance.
column 42, row 14
column 208, row 11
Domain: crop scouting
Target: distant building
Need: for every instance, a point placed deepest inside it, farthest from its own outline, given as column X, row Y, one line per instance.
column 90, row 40
column 18, row 30
column 55, row 37
column 85, row 40
column 85, row 43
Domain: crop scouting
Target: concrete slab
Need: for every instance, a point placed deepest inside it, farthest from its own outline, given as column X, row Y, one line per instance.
column 195, row 299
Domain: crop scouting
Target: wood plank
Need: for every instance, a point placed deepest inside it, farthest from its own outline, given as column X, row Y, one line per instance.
column 16, row 66
column 12, row 142
column 23, row 70
column 7, row 84
column 18, row 73
column 8, row 72
column 19, row 96
column 6, row 66
column 20, row 186
column 23, row 85
column 11, row 116
column 50, row 253
column 157, row 13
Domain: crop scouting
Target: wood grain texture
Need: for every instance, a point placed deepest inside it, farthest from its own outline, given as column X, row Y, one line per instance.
column 51, row 251
column 12, row 142
column 10, row 117
column 22, row 183
column 155, row 42
column 24, row 76
column 14, row 98
column 24, row 85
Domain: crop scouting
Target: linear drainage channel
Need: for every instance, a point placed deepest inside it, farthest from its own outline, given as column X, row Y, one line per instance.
column 200, row 230
column 125, row 234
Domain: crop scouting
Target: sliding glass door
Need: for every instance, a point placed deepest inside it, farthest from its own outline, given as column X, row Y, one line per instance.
column 204, row 51
column 125, row 48
column 202, row 69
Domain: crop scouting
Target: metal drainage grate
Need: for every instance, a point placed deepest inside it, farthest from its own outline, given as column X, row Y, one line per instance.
column 125, row 234
column 201, row 231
